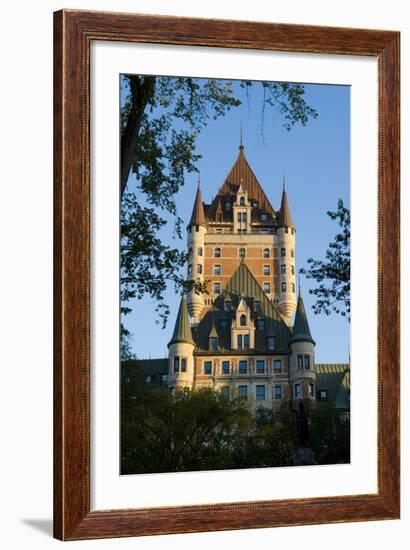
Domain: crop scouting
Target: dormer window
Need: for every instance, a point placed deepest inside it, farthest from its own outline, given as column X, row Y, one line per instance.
column 242, row 321
column 257, row 306
column 264, row 217
column 242, row 201
column 255, row 204
column 228, row 205
column 228, row 305
column 213, row 343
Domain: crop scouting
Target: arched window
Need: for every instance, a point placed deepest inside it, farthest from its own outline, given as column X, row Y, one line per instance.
column 242, row 253
column 266, row 253
column 283, row 252
column 242, row 320
column 217, row 252
column 200, row 251
column 242, row 201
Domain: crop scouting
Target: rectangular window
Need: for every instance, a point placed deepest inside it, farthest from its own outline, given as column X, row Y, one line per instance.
column 217, row 288
column 283, row 252
column 239, row 217
column 244, row 217
column 257, row 306
column 148, row 379
column 322, row 395
column 277, row 366
column 283, row 287
column 306, row 362
column 164, row 379
column 311, row 390
column 217, row 252
column 225, row 367
column 261, row 324
column 266, row 270
column 213, row 343
column 300, row 362
column 225, row 391
column 264, row 217
column 243, row 367
column 183, row 365
column 266, row 252
column 266, row 288
column 199, row 268
column 176, row 364
column 271, row 342
column 283, row 269
column 217, row 269
column 278, row 392
column 208, row 367
column 298, row 391
column 260, row 393
column 246, row 341
column 260, row 366
column 243, row 392
column 239, row 341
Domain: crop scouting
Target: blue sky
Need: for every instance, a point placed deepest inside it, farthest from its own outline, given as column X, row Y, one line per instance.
column 315, row 161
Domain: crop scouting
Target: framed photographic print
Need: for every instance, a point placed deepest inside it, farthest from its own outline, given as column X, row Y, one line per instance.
column 226, row 275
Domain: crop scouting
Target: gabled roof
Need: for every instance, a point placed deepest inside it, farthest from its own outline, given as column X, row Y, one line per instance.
column 198, row 213
column 284, row 218
column 335, row 378
column 241, row 174
column 243, row 285
column 182, row 330
column 301, row 330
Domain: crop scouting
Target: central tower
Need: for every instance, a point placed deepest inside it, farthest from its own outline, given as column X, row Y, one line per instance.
column 240, row 224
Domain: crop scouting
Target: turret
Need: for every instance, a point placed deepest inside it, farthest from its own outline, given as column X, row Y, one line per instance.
column 286, row 253
column 302, row 358
column 197, row 229
column 181, row 351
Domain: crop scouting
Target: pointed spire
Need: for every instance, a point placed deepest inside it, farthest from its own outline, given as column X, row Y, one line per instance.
column 198, row 213
column 301, row 330
column 285, row 219
column 182, row 329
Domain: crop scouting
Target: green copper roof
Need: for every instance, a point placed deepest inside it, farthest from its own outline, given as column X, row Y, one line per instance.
column 243, row 284
column 335, row 378
column 213, row 333
column 301, row 330
column 182, row 330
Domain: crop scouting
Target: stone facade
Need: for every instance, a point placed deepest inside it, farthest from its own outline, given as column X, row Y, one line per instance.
column 240, row 338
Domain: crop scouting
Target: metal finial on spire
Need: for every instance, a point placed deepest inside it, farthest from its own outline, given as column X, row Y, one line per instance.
column 241, row 138
column 199, row 180
column 283, row 180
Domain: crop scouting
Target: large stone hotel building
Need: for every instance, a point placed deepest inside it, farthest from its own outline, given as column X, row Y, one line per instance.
column 250, row 335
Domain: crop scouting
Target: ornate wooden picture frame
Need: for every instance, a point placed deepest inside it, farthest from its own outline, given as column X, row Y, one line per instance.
column 74, row 32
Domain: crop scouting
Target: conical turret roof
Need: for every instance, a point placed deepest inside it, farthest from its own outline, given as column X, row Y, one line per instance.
column 182, row 330
column 198, row 213
column 284, row 219
column 301, row 330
